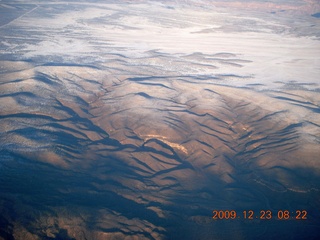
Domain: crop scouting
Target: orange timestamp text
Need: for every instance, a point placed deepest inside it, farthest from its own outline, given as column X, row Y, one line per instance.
column 262, row 215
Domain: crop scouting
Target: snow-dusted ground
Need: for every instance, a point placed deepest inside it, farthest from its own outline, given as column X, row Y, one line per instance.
column 138, row 119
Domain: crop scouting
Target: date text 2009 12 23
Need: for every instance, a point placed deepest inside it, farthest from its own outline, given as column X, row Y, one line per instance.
column 262, row 215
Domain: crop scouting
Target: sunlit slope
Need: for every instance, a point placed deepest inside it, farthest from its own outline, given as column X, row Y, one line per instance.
column 160, row 140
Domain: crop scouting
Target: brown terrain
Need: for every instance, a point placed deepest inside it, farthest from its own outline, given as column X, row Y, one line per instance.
column 118, row 123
